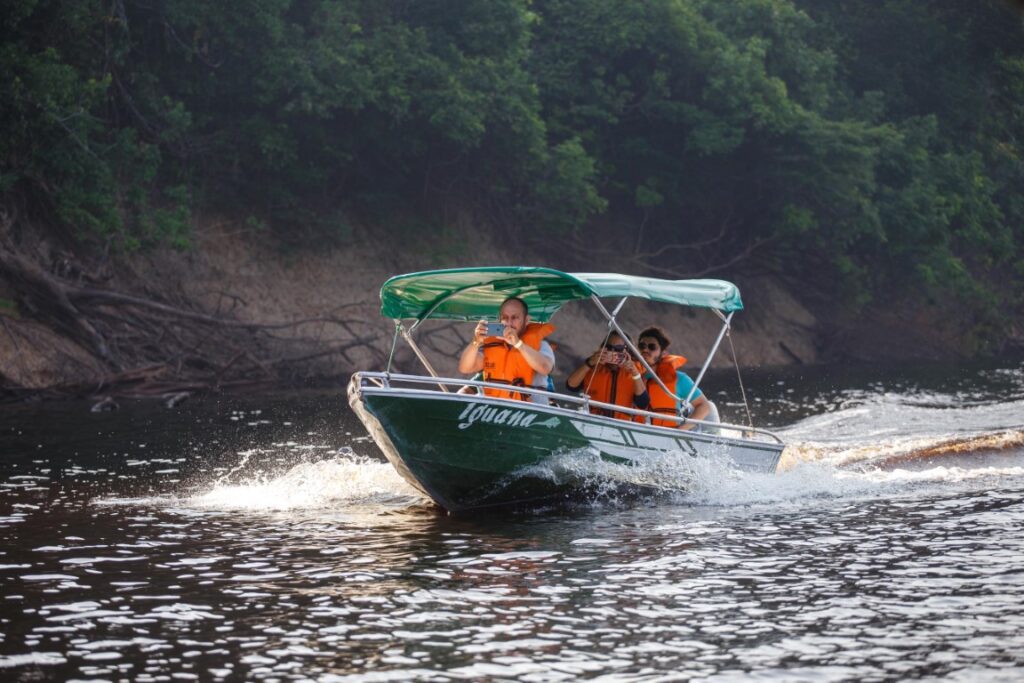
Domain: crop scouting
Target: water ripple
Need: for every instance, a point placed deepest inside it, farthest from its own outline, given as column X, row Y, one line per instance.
column 876, row 555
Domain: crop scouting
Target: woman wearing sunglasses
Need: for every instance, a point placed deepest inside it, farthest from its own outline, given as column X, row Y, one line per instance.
column 610, row 375
column 652, row 344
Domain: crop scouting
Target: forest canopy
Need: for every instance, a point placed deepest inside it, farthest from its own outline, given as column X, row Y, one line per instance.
column 857, row 147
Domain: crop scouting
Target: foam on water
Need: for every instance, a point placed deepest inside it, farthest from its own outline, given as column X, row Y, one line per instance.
column 890, row 440
column 711, row 481
column 667, row 471
column 824, row 479
column 343, row 480
column 898, row 450
column 847, row 468
column 888, row 416
column 889, row 445
column 868, row 443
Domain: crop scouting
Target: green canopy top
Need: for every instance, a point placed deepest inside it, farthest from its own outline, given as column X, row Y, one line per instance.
column 476, row 293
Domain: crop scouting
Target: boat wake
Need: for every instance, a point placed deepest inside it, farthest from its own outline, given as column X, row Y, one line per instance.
column 808, row 470
column 822, row 472
column 887, row 444
column 896, row 430
column 916, row 451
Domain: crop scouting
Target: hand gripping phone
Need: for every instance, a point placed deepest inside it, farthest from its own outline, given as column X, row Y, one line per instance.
column 611, row 357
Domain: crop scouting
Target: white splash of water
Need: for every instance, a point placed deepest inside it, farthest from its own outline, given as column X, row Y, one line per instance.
column 808, row 470
column 944, row 474
column 869, row 466
column 810, row 480
column 710, row 480
column 880, row 444
column 658, row 470
column 825, row 479
column 343, row 480
column 893, row 418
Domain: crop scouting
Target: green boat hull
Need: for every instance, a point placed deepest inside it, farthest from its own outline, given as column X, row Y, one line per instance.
column 468, row 452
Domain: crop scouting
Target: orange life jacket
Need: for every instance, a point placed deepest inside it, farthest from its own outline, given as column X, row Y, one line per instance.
column 506, row 365
column 610, row 386
column 660, row 401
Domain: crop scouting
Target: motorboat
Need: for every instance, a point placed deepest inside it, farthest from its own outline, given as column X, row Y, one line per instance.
column 466, row 450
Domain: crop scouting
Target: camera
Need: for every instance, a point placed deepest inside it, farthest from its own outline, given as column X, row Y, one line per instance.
column 615, row 357
column 495, row 329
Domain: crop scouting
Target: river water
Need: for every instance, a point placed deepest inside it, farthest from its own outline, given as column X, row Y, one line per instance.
column 262, row 539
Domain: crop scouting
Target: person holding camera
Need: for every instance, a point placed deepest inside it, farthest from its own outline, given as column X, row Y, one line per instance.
column 512, row 351
column 610, row 375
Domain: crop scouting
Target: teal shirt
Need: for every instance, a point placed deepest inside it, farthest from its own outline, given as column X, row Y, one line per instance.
column 684, row 384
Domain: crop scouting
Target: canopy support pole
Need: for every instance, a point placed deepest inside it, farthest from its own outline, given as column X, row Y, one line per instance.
column 739, row 378
column 619, row 307
column 423, row 359
column 629, row 343
column 394, row 345
column 711, row 354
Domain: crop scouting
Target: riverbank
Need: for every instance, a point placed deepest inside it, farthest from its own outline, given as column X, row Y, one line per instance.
column 239, row 311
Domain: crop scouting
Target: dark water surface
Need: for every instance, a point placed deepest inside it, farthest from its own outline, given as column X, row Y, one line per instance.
column 262, row 539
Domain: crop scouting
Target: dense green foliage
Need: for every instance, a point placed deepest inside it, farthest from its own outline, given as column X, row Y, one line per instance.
column 861, row 146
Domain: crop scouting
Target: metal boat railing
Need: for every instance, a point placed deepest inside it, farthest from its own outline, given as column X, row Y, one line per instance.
column 583, row 404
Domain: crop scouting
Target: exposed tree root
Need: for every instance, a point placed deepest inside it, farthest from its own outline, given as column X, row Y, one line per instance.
column 152, row 346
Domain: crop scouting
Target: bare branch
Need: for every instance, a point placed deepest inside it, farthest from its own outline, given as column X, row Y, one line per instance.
column 103, row 295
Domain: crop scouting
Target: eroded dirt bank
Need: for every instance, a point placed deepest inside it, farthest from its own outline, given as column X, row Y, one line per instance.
column 238, row 312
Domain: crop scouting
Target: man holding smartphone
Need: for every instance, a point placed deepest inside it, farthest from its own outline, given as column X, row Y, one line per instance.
column 518, row 356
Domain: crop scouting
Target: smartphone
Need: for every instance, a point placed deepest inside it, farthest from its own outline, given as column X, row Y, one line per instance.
column 495, row 329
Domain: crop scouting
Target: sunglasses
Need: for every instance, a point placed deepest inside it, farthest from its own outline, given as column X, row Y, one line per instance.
column 647, row 346
column 615, row 347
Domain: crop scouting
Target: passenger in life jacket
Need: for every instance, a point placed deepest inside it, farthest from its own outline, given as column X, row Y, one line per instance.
column 520, row 357
column 653, row 343
column 610, row 375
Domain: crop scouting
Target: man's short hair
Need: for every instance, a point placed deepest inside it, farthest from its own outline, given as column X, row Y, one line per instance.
column 526, row 309
column 657, row 333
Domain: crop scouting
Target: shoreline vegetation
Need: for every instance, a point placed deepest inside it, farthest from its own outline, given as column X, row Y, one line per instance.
column 197, row 198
